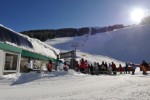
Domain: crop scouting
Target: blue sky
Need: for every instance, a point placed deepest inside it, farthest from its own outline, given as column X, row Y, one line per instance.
column 21, row 15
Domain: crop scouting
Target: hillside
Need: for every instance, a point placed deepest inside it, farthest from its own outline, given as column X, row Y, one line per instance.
column 128, row 44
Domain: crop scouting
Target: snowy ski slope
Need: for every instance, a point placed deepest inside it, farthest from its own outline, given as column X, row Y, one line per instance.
column 128, row 44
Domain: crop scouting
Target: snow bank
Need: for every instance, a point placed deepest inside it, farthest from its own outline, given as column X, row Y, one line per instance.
column 76, row 86
column 29, row 77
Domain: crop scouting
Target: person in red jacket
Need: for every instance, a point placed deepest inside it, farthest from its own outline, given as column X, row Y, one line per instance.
column 82, row 65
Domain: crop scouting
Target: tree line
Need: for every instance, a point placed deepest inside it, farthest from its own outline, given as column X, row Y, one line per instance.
column 45, row 34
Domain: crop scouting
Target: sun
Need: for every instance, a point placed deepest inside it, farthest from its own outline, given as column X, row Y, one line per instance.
column 137, row 15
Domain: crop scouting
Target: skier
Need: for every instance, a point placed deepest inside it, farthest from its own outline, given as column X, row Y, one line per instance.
column 114, row 68
column 106, row 68
column 99, row 68
column 30, row 65
column 65, row 67
column 120, row 68
column 50, row 66
column 144, row 67
column 86, row 67
column 133, row 68
column 60, row 66
column 102, row 67
column 109, row 69
column 95, row 68
column 82, row 66
column 77, row 67
column 126, row 68
column 91, row 69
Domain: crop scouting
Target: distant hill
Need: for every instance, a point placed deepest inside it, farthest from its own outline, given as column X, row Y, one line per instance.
column 45, row 34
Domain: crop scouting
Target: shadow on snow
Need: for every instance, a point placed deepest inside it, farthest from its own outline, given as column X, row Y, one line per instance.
column 32, row 76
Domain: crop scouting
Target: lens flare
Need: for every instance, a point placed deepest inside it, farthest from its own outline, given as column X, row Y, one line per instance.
column 137, row 15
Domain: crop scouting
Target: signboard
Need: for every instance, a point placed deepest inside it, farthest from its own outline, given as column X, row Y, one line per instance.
column 68, row 54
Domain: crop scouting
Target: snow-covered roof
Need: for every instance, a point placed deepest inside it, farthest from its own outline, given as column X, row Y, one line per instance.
column 38, row 46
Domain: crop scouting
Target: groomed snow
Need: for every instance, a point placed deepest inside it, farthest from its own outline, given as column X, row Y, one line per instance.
column 74, row 86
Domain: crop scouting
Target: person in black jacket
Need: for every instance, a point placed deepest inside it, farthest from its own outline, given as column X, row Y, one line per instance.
column 126, row 68
column 91, row 69
column 120, row 68
column 144, row 63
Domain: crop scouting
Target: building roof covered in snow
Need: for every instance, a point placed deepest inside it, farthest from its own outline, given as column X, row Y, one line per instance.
column 29, row 47
column 10, row 36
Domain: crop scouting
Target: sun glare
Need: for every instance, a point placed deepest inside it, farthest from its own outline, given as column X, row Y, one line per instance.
column 137, row 15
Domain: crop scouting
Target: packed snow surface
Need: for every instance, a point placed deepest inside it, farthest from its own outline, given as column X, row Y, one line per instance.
column 128, row 44
column 74, row 86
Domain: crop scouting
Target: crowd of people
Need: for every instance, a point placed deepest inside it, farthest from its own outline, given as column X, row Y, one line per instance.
column 104, row 68
column 109, row 68
column 96, row 68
